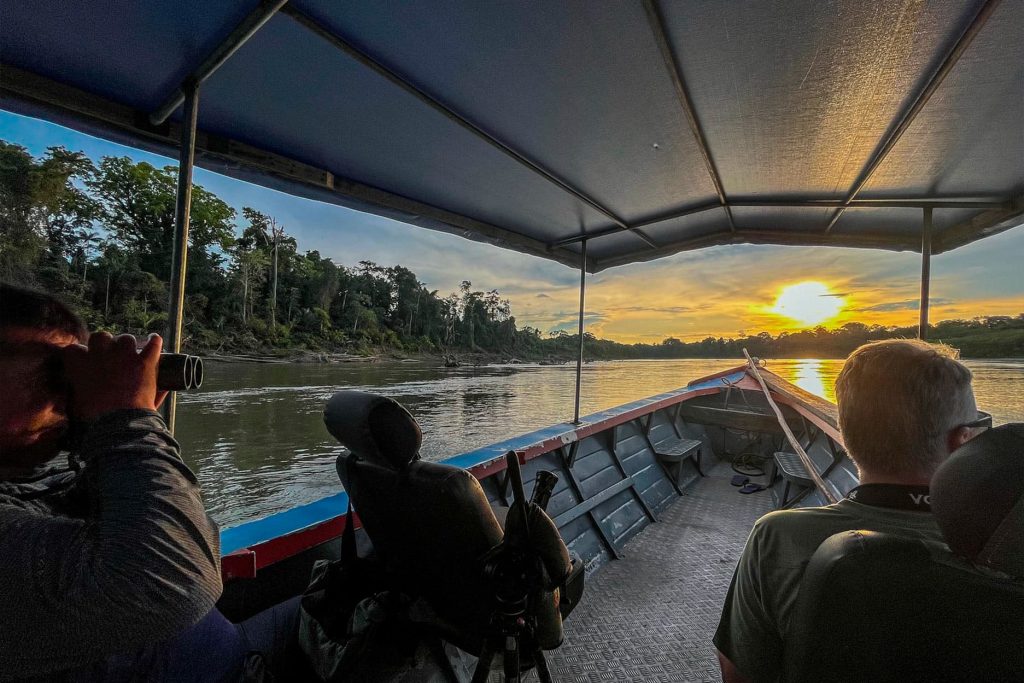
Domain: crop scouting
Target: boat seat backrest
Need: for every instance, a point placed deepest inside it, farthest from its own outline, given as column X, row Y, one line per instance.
column 879, row 607
column 823, row 458
column 661, row 429
column 430, row 523
column 978, row 500
column 378, row 429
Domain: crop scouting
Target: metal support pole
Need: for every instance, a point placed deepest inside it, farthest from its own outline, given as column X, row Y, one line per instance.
column 926, row 272
column 179, row 262
column 579, row 360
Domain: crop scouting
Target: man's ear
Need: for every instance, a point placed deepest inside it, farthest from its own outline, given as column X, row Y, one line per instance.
column 958, row 437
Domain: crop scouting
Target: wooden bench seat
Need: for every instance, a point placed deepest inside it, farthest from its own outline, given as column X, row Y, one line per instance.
column 791, row 469
column 673, row 451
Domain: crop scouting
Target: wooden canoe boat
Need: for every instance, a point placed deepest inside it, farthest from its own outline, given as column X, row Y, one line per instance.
column 619, row 470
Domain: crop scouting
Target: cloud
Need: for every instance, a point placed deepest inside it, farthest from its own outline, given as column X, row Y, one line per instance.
column 668, row 310
column 906, row 305
column 562, row 318
column 590, row 320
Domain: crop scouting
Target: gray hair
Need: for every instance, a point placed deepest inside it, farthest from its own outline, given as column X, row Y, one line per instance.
column 898, row 401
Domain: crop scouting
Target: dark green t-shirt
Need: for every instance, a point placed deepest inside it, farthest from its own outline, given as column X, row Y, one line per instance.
column 759, row 605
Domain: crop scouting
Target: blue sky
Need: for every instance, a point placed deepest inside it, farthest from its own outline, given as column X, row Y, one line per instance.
column 718, row 291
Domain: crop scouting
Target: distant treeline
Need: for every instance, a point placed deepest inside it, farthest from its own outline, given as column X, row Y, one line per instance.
column 989, row 337
column 100, row 236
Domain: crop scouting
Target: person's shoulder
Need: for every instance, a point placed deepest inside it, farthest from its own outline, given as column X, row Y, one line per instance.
column 796, row 533
column 56, row 472
column 42, row 490
column 786, row 520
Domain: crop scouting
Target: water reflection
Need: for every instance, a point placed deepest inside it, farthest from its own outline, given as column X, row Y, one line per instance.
column 256, row 438
column 809, row 376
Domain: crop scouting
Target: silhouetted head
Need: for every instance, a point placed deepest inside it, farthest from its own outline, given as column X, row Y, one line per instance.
column 977, row 497
column 904, row 406
column 33, row 418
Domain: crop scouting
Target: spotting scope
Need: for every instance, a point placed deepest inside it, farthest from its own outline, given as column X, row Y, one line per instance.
column 179, row 372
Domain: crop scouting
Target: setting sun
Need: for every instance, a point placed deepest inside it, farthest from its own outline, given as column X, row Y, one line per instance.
column 809, row 303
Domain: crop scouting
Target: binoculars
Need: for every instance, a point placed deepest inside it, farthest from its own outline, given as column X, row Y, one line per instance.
column 179, row 372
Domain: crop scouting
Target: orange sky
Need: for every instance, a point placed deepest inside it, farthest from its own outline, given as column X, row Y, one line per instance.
column 724, row 291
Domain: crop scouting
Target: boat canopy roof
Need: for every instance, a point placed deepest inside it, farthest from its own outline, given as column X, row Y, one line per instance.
column 644, row 127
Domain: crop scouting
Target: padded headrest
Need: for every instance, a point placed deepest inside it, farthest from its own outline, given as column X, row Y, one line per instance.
column 376, row 428
column 977, row 497
column 875, row 607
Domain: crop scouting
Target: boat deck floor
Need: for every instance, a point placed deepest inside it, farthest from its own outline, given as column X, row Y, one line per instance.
column 650, row 615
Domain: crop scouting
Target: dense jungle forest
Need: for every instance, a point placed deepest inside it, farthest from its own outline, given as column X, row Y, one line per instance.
column 99, row 234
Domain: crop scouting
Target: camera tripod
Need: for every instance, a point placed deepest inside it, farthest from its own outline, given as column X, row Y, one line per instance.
column 517, row 574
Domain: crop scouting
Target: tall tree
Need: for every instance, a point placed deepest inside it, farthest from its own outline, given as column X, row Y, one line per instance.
column 43, row 211
column 113, row 261
column 265, row 229
column 250, row 266
column 138, row 203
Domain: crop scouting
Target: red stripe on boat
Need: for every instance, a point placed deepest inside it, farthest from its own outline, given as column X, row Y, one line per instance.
column 244, row 563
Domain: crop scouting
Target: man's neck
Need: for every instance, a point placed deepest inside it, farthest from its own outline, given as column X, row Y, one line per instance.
column 899, row 480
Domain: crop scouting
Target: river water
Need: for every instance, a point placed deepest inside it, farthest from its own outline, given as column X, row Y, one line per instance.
column 255, row 434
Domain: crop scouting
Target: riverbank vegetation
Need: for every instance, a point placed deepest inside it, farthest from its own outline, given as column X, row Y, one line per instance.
column 99, row 234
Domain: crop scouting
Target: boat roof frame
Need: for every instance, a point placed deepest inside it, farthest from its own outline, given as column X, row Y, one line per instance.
column 30, row 93
column 35, row 95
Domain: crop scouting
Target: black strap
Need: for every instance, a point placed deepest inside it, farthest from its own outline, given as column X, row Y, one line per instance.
column 348, row 536
column 894, row 496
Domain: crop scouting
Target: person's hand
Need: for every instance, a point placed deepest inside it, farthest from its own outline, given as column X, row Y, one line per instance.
column 110, row 374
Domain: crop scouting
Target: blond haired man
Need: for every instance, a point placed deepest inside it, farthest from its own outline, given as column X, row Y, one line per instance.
column 904, row 407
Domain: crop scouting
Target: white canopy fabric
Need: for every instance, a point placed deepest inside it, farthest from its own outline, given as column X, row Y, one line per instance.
column 647, row 127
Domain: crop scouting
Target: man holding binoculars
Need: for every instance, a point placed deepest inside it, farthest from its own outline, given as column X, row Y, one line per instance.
column 109, row 565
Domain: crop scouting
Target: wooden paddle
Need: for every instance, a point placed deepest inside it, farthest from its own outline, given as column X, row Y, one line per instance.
column 804, row 458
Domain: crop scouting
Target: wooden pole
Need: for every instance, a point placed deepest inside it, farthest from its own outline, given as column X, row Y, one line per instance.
column 179, row 263
column 926, row 272
column 804, row 458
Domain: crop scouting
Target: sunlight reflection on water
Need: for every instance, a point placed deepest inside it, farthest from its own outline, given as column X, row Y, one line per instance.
column 809, row 375
column 255, row 433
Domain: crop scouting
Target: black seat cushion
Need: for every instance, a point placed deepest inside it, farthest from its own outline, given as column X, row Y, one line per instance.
column 878, row 607
column 430, row 524
column 978, row 499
